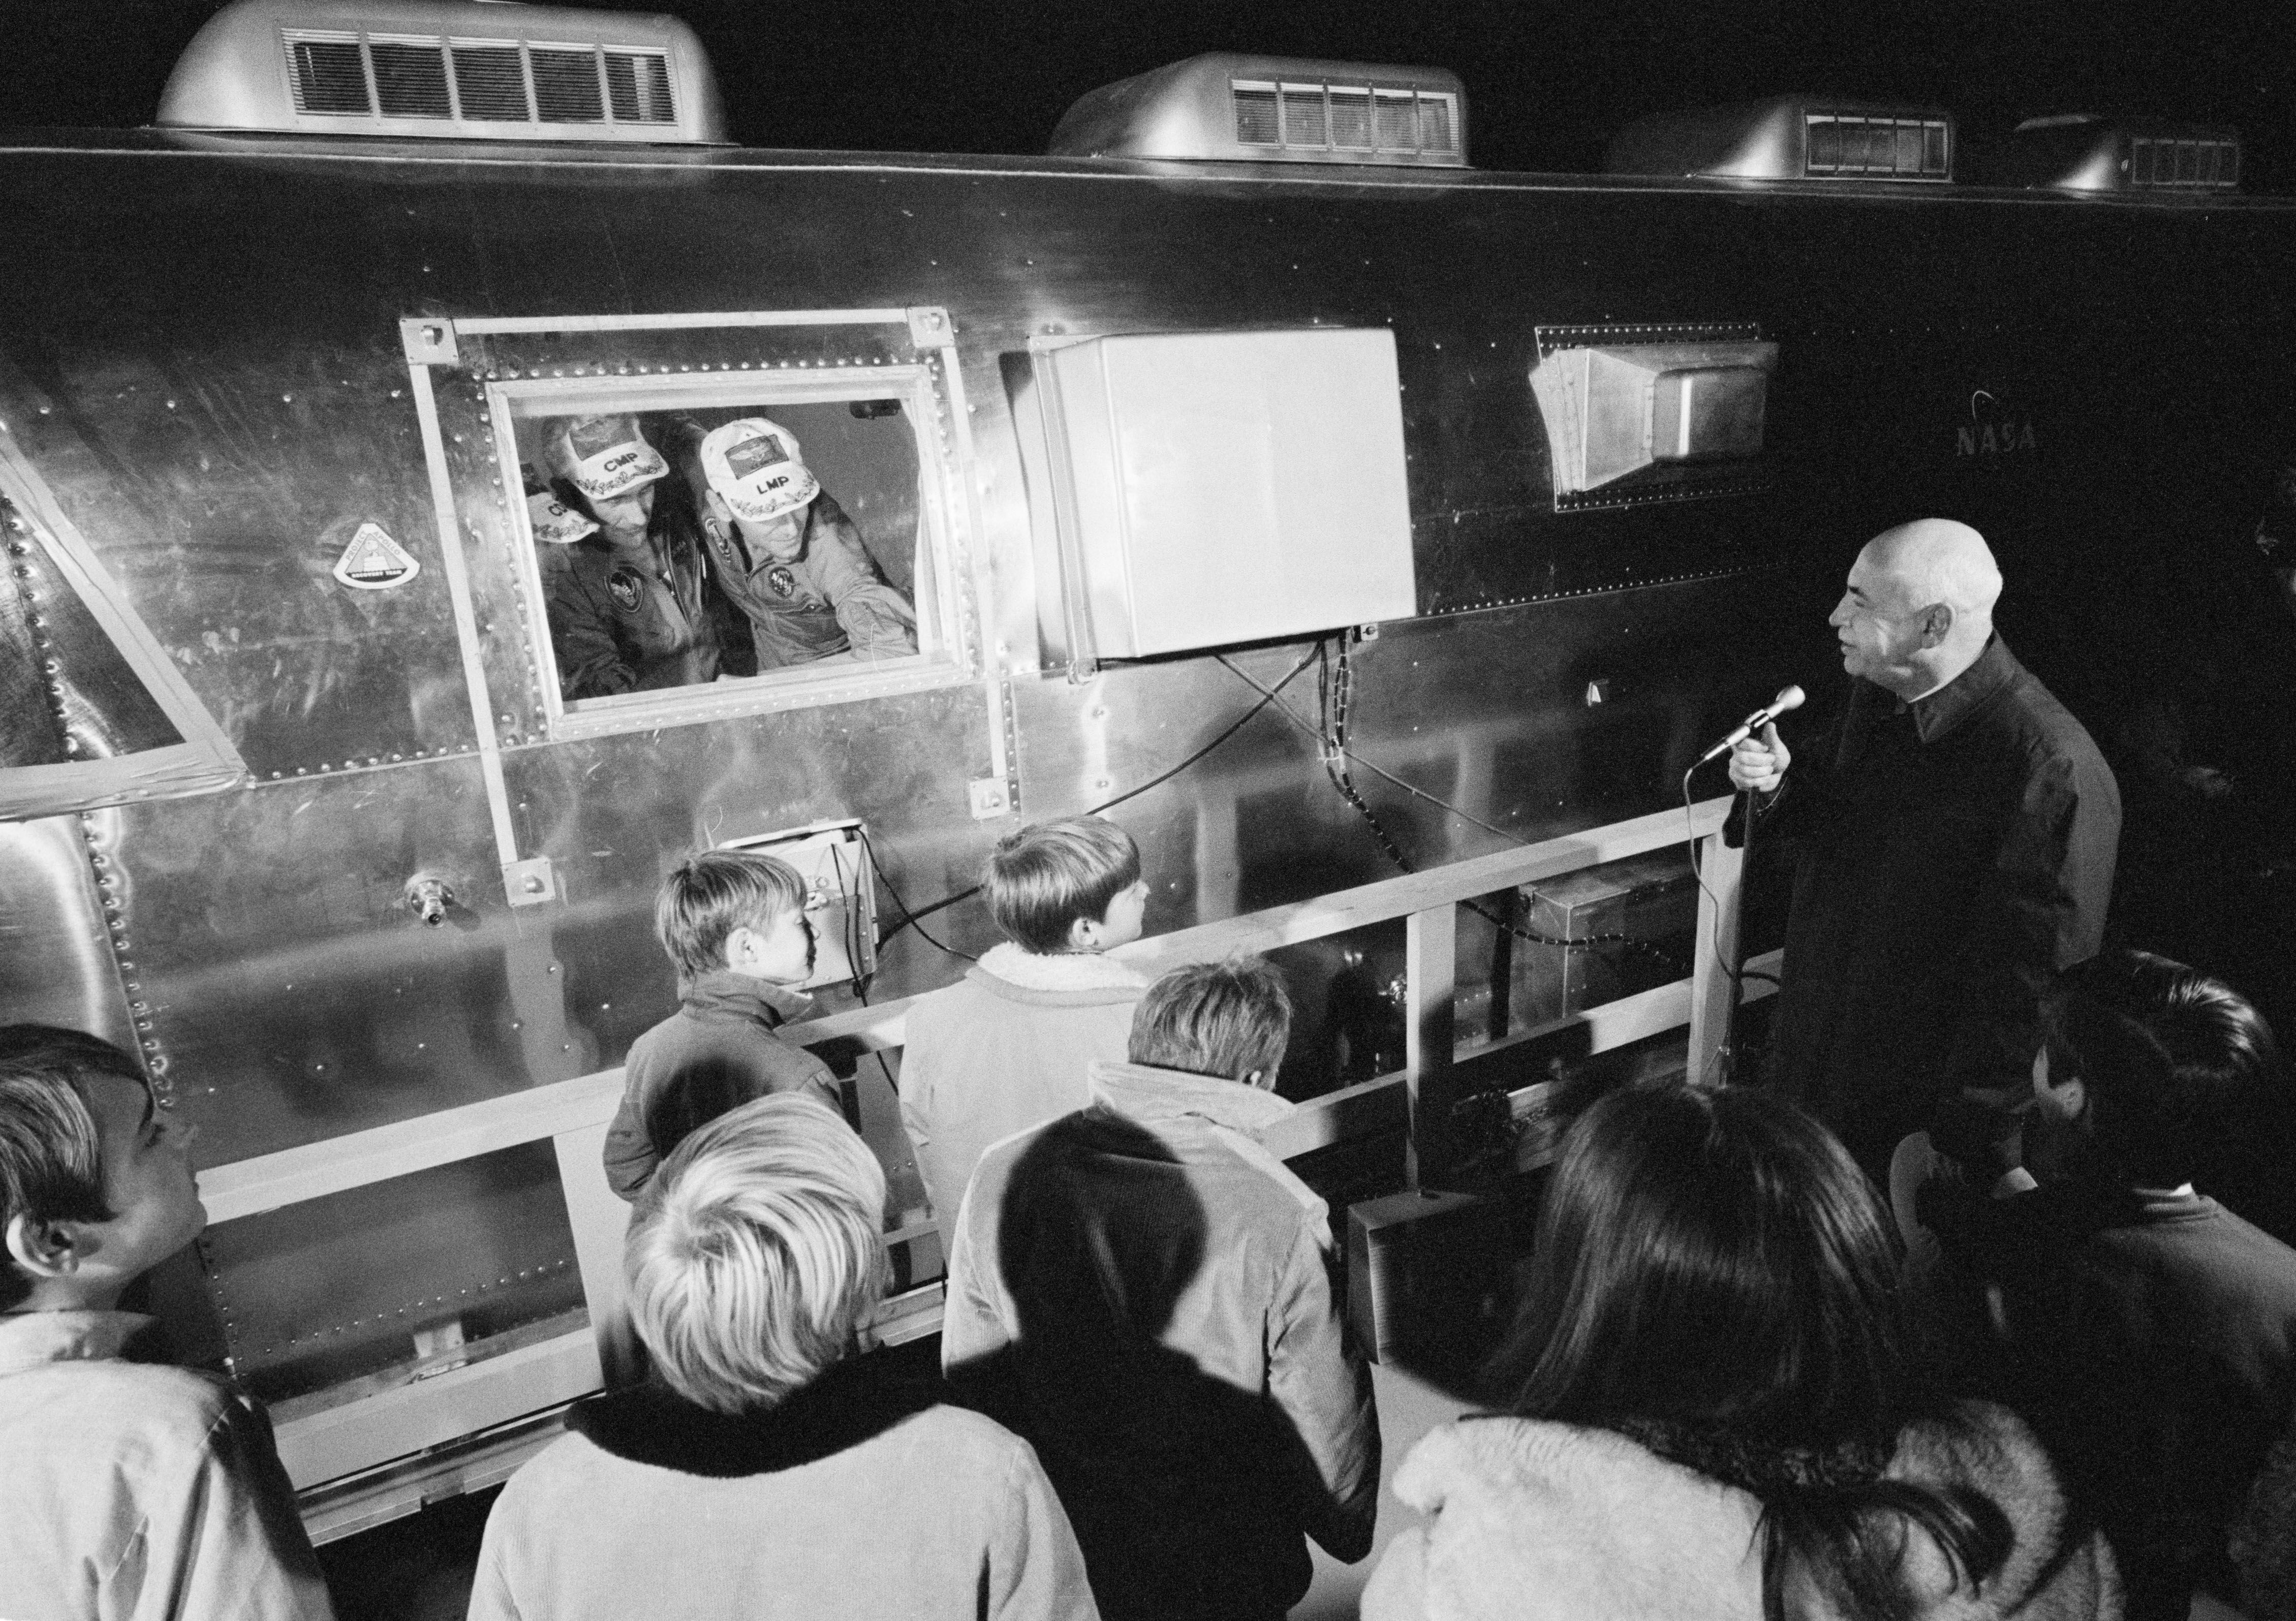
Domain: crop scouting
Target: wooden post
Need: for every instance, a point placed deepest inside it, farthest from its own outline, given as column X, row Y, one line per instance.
column 599, row 1219
column 1430, row 955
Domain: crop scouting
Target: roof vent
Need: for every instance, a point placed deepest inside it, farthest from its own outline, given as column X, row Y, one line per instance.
column 1791, row 137
column 1274, row 109
column 2082, row 152
column 458, row 69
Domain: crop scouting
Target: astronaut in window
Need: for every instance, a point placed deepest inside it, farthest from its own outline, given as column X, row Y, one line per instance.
column 784, row 551
column 629, row 593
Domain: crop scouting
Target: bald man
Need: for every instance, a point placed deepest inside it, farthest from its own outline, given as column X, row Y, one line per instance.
column 1953, row 837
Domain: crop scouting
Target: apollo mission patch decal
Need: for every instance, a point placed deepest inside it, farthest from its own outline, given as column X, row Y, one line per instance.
column 374, row 561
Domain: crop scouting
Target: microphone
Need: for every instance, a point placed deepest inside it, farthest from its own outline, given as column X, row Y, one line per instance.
column 1789, row 699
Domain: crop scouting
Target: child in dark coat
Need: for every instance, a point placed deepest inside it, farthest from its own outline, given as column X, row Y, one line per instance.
column 734, row 923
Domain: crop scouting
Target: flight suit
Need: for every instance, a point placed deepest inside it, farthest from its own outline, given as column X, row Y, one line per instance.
column 620, row 626
column 828, row 599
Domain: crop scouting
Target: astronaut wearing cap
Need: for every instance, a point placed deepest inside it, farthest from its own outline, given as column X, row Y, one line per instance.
column 784, row 552
column 628, row 598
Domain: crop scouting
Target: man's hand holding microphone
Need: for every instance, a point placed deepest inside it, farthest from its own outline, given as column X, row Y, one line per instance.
column 1758, row 758
column 1759, row 763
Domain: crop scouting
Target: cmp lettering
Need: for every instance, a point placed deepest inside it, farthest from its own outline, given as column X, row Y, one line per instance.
column 616, row 463
column 1993, row 439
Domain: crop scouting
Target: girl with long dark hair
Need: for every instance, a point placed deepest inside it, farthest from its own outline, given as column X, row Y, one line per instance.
column 1717, row 1408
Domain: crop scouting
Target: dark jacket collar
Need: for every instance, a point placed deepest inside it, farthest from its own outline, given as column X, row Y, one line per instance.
column 854, row 1402
column 1938, row 713
column 732, row 995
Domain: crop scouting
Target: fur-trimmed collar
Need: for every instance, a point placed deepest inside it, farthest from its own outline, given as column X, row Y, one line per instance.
column 1006, row 968
column 856, row 1400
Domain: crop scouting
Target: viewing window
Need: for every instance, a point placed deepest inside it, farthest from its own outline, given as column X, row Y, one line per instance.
column 689, row 540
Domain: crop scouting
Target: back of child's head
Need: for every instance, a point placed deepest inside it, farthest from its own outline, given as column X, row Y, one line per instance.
column 1225, row 1018
column 2172, row 1061
column 755, row 1259
column 51, row 1153
column 707, row 897
column 1049, row 876
column 1712, row 1258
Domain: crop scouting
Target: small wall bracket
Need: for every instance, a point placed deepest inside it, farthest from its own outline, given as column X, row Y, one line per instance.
column 930, row 327
column 531, row 883
column 428, row 342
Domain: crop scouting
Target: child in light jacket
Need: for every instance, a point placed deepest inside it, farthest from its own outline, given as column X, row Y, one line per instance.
column 1007, row 1047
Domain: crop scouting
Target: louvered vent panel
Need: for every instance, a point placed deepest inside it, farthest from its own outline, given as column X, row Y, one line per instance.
column 1351, row 118
column 1848, row 143
column 566, row 85
column 1397, row 125
column 491, row 82
column 2157, row 161
column 639, row 84
column 410, row 79
column 1438, row 127
column 1255, row 114
column 327, row 74
column 1304, row 122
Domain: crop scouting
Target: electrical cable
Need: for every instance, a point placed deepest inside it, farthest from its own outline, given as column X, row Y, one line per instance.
column 852, row 908
column 861, row 989
column 909, row 918
column 1157, row 781
column 1334, row 691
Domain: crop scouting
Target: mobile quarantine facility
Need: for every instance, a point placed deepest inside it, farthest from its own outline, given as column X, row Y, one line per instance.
column 1378, row 538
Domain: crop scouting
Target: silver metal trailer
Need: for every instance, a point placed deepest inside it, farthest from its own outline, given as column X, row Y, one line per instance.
column 297, row 808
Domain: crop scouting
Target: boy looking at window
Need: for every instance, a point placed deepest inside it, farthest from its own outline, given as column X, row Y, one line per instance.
column 734, row 923
column 130, row 1488
column 1007, row 1047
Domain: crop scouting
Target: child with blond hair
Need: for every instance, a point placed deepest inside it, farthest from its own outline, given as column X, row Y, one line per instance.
column 768, row 1471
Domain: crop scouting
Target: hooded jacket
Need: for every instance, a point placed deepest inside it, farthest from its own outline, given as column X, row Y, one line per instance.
column 1142, row 1291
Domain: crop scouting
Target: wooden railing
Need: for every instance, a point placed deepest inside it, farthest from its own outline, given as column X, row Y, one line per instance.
column 573, row 1114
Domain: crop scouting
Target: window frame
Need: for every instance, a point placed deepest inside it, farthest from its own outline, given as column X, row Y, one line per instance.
column 641, row 364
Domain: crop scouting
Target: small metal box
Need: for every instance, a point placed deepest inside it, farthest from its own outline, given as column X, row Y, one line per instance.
column 1425, row 1269
column 1619, row 909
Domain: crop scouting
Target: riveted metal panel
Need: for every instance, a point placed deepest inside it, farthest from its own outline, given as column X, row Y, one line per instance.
column 292, row 995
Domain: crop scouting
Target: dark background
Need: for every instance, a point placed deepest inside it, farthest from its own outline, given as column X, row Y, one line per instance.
column 1548, row 84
